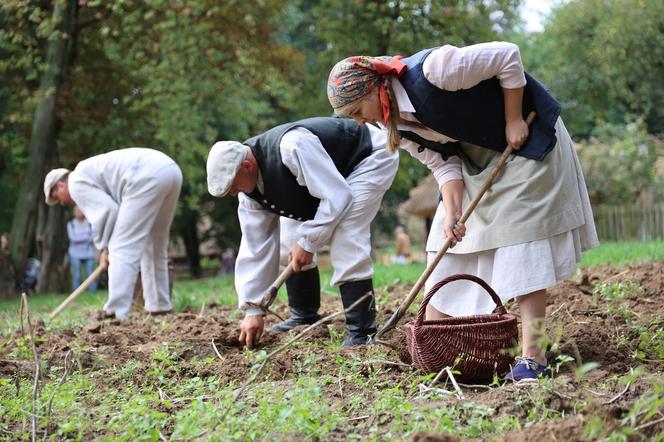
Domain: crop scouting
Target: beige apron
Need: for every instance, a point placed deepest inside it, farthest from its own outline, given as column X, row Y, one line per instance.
column 529, row 200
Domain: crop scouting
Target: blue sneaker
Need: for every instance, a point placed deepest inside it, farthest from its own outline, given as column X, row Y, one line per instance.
column 527, row 368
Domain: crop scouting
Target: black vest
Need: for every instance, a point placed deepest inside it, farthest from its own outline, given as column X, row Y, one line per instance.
column 477, row 115
column 346, row 142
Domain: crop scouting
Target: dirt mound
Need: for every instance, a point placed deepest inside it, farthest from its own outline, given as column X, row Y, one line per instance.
column 601, row 306
column 588, row 330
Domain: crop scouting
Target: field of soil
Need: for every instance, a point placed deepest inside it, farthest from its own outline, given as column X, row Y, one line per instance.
column 613, row 327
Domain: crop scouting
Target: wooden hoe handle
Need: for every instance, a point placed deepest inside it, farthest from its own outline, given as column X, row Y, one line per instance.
column 94, row 275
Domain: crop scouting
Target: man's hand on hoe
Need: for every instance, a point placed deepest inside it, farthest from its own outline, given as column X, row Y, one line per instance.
column 299, row 257
column 103, row 260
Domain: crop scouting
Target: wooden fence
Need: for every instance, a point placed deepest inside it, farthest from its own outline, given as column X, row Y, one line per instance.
column 629, row 223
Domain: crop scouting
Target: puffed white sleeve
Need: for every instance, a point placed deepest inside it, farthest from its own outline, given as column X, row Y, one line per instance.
column 304, row 155
column 98, row 207
column 451, row 68
column 257, row 263
column 442, row 170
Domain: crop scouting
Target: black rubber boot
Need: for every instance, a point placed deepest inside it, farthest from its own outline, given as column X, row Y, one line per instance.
column 361, row 321
column 303, row 299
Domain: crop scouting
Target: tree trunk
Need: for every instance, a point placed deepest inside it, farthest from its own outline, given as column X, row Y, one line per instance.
column 188, row 230
column 43, row 142
column 186, row 225
column 52, row 244
column 7, row 283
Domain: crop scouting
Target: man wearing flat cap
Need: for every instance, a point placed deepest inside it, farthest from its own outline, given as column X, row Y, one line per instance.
column 129, row 198
column 302, row 185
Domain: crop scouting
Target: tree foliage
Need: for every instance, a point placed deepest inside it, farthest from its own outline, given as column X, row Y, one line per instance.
column 326, row 31
column 604, row 59
column 178, row 75
column 620, row 163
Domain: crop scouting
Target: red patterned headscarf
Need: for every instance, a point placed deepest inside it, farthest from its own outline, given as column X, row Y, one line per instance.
column 353, row 78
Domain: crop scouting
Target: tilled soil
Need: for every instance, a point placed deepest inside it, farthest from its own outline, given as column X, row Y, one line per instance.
column 590, row 331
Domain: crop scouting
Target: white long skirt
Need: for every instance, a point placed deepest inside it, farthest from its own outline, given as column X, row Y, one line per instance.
column 511, row 271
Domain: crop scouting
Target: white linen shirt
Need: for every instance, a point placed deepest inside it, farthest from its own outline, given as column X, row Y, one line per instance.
column 303, row 154
column 98, row 184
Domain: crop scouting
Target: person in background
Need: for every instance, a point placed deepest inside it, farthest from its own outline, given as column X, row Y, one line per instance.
column 129, row 197
column 402, row 240
column 227, row 261
column 81, row 249
column 4, row 242
column 31, row 275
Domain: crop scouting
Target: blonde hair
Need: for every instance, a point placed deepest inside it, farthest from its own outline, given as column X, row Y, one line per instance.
column 393, row 136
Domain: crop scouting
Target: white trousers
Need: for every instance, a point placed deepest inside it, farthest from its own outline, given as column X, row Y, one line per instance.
column 350, row 244
column 140, row 241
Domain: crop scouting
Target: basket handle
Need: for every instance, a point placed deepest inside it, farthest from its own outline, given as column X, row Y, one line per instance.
column 423, row 307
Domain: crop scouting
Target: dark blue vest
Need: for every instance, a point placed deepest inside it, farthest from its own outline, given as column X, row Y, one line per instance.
column 477, row 115
column 346, row 142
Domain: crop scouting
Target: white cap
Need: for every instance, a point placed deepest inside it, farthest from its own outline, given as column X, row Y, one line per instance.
column 223, row 163
column 53, row 177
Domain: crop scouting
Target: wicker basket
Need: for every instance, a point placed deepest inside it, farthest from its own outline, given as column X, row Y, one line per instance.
column 473, row 345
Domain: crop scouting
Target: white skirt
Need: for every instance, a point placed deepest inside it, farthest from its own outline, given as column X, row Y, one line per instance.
column 511, row 271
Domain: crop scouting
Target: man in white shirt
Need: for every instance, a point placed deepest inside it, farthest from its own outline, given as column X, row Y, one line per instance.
column 129, row 198
column 303, row 185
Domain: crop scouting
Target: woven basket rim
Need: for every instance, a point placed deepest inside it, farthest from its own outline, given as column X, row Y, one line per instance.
column 501, row 319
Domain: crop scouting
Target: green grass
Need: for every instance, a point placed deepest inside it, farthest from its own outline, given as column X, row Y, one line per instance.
column 196, row 293
column 623, row 253
column 193, row 294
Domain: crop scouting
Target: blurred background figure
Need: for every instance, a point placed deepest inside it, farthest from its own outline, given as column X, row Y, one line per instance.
column 402, row 239
column 81, row 249
column 31, row 275
column 228, row 261
column 4, row 242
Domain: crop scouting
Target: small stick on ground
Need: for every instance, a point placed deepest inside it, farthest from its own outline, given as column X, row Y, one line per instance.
column 217, row 351
column 384, row 362
column 649, row 424
column 358, row 418
column 163, row 396
column 425, row 388
column 596, row 393
column 161, row 436
column 35, row 389
column 615, row 276
column 618, row 396
column 551, row 315
column 486, row 387
column 454, row 382
column 438, row 376
column 282, row 347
